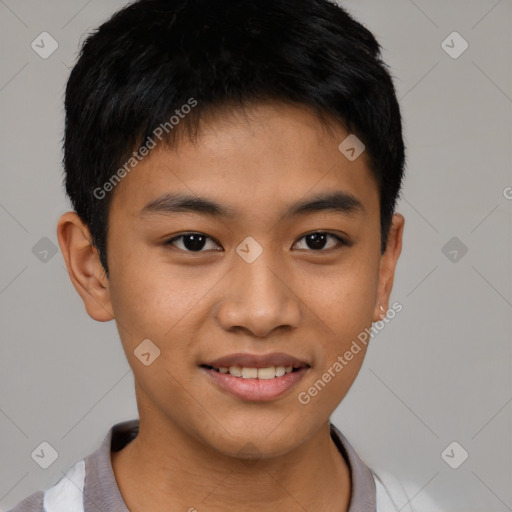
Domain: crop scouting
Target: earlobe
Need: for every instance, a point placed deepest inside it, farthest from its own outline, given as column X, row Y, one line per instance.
column 388, row 264
column 84, row 266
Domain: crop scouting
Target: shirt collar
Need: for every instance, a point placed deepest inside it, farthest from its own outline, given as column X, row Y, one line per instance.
column 101, row 491
column 363, row 496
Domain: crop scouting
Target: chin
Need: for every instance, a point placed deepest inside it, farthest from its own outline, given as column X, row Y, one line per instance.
column 250, row 439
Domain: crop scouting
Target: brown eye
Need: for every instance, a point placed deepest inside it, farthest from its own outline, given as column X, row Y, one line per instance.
column 317, row 241
column 189, row 242
column 196, row 242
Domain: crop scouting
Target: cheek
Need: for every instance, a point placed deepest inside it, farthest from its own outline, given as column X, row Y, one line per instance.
column 343, row 303
column 144, row 291
column 155, row 300
column 342, row 313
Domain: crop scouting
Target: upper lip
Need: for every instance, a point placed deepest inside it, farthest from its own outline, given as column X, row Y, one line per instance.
column 257, row 360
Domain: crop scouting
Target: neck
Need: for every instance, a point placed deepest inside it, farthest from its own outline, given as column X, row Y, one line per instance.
column 166, row 469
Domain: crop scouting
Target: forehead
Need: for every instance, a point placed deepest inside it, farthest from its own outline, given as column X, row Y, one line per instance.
column 252, row 162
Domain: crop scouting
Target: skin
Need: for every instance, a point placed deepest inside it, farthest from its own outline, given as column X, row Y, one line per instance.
column 198, row 306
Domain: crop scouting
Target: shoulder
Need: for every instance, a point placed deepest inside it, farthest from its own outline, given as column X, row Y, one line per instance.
column 395, row 495
column 88, row 484
column 66, row 494
column 33, row 503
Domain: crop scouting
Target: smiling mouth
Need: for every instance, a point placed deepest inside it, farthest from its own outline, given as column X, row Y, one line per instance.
column 256, row 377
column 268, row 373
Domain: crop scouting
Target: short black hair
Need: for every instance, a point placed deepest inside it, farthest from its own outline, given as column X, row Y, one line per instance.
column 153, row 57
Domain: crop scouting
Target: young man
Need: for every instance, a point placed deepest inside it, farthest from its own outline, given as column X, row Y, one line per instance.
column 234, row 168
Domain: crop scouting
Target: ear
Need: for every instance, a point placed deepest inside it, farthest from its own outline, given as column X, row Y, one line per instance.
column 388, row 263
column 84, row 266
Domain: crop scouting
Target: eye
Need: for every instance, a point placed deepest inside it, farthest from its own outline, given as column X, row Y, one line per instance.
column 317, row 241
column 191, row 242
column 196, row 242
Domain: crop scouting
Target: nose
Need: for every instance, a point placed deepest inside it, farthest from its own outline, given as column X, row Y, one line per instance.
column 259, row 297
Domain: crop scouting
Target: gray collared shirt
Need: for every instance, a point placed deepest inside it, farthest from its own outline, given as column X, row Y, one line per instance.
column 94, row 487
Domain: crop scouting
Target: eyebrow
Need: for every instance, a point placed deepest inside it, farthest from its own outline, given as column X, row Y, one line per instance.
column 339, row 202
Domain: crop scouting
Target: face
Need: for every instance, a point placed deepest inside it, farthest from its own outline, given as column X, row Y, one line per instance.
column 272, row 265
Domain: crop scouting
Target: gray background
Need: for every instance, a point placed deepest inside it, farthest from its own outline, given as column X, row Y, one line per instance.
column 439, row 372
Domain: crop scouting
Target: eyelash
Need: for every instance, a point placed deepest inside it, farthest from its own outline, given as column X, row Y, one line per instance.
column 341, row 241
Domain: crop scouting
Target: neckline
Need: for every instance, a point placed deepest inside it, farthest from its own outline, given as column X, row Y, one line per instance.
column 101, row 481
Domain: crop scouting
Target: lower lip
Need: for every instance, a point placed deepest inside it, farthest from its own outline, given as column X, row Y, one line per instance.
column 256, row 390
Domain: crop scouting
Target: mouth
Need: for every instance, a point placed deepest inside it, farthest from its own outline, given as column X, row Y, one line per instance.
column 254, row 377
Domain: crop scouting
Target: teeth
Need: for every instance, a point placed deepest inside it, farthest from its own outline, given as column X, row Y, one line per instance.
column 236, row 371
column 256, row 373
column 267, row 373
column 250, row 373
